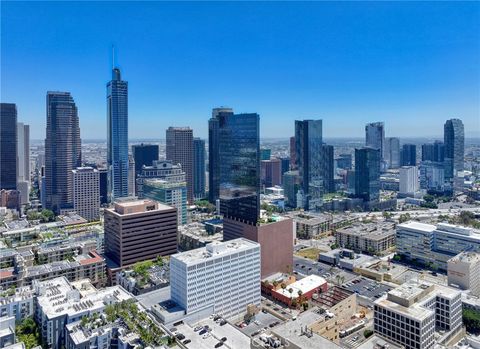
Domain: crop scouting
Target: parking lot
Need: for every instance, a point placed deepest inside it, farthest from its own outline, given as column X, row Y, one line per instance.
column 209, row 339
column 262, row 321
column 368, row 288
column 303, row 267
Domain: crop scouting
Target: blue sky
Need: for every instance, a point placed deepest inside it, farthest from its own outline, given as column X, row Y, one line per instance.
column 412, row 65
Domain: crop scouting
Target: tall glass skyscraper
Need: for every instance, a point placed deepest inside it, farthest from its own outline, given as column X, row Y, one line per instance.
column 117, row 140
column 392, row 152
column 408, row 156
column 367, row 173
column 309, row 160
column 62, row 150
column 236, row 164
column 8, row 146
column 433, row 151
column 454, row 140
column 213, row 152
column 375, row 136
column 199, row 168
column 144, row 155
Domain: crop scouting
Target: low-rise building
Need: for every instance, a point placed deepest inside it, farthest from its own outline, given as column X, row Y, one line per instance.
column 195, row 235
column 412, row 313
column 464, row 271
column 60, row 302
column 18, row 305
column 305, row 288
column 369, row 238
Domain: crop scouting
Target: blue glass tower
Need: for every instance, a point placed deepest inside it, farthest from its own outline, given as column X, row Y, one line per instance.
column 117, row 142
column 199, row 168
column 367, row 173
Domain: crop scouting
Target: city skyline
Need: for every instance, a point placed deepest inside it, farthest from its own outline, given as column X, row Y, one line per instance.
column 400, row 76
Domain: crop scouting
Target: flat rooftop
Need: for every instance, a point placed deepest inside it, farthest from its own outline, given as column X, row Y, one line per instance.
column 375, row 231
column 213, row 250
column 466, row 257
column 138, row 206
column 304, row 285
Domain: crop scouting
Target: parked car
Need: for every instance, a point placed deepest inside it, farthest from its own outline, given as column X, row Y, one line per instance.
column 180, row 336
column 218, row 345
column 223, row 322
column 186, row 341
column 197, row 328
column 224, row 339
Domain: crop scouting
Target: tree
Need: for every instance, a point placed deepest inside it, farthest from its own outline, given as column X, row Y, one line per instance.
column 367, row 333
column 387, row 215
column 404, row 217
column 471, row 320
column 47, row 216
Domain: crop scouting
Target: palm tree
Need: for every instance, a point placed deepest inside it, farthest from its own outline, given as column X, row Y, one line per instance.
column 291, row 292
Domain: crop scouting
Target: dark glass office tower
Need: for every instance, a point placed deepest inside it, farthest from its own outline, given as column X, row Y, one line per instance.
column 8, row 146
column 344, row 161
column 199, row 168
column 213, row 152
column 103, row 173
column 454, row 139
column 433, row 151
column 179, row 150
column 237, row 141
column 328, row 168
column 408, row 155
column 117, row 138
column 308, row 147
column 144, row 155
column 392, row 152
column 375, row 136
column 62, row 150
column 367, row 173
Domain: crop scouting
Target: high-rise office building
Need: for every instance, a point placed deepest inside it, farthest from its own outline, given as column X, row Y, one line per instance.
column 432, row 176
column 271, row 172
column 454, row 139
column 62, row 150
column 327, row 166
column 367, row 173
column 221, row 278
column 139, row 230
column 169, row 193
column 117, row 138
column 433, row 151
column 293, row 154
column 291, row 185
column 408, row 155
column 308, row 146
column 344, row 161
column 235, row 164
column 161, row 169
column 103, row 174
column 144, row 155
column 179, row 150
column 23, row 152
column 285, row 165
column 214, row 153
column 131, row 175
column 199, row 168
column 8, row 146
column 409, row 184
column 375, row 136
column 86, row 192
column 23, row 161
column 392, row 152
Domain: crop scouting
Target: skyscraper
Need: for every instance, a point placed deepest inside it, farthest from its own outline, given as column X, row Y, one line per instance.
column 308, row 146
column 8, row 146
column 234, row 153
column 293, row 154
column 131, row 175
column 62, row 150
column 433, row 151
column 392, row 152
column 199, row 168
column 86, row 192
column 144, row 155
column 454, row 139
column 375, row 136
column 117, row 140
column 271, row 172
column 180, row 151
column 408, row 155
column 367, row 173
column 213, row 153
column 23, row 152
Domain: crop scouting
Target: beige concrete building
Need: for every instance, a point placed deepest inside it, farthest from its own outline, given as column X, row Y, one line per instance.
column 86, row 192
column 464, row 271
column 367, row 238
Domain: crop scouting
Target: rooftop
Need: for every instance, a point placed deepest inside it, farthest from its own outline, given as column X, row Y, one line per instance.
column 466, row 257
column 214, row 249
column 137, row 206
column 304, row 285
column 370, row 230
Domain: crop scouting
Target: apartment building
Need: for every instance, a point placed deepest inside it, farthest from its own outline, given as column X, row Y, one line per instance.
column 367, row 238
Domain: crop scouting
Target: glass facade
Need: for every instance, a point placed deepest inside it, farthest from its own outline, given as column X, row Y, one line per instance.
column 454, row 139
column 62, row 150
column 375, row 136
column 367, row 174
column 117, row 140
column 308, row 145
column 409, row 155
column 392, row 152
column 199, row 168
column 144, row 155
column 433, row 151
column 8, row 146
column 170, row 193
column 238, row 157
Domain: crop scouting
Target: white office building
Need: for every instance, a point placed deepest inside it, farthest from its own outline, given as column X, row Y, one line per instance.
column 86, row 192
column 221, row 278
column 411, row 314
column 464, row 272
column 409, row 184
column 435, row 245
